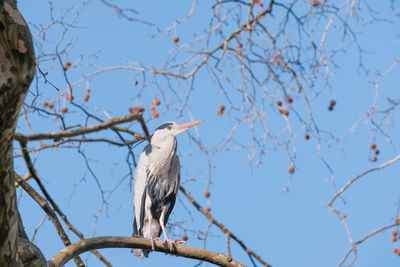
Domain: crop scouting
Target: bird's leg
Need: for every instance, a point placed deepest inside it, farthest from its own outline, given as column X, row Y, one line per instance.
column 151, row 238
column 162, row 217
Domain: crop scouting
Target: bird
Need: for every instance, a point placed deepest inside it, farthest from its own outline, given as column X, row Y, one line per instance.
column 156, row 184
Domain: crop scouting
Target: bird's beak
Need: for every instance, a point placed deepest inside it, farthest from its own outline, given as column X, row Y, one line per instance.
column 182, row 127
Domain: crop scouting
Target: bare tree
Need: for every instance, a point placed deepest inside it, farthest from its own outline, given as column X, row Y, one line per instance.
column 271, row 63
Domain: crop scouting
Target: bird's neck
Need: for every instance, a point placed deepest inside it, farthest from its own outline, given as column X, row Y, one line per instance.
column 163, row 150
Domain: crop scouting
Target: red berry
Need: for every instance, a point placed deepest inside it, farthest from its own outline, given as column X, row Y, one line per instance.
column 45, row 104
column 51, row 105
column 86, row 97
column 284, row 112
column 175, row 39
column 372, row 145
column 315, row 3
column 289, row 99
column 291, row 169
column 138, row 109
column 306, row 136
column 374, row 159
column 154, row 112
column 376, row 151
column 207, row 193
column 64, row 109
column 67, row 65
column 278, row 104
column 185, row 237
column 221, row 110
column 155, row 102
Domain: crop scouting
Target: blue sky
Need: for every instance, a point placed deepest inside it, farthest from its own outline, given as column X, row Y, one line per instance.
column 284, row 228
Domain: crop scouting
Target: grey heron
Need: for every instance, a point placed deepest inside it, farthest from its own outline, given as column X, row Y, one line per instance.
column 156, row 184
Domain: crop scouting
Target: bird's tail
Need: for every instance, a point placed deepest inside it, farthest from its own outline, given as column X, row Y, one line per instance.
column 142, row 253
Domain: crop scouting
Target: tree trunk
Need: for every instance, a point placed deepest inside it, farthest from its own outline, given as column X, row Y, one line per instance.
column 17, row 68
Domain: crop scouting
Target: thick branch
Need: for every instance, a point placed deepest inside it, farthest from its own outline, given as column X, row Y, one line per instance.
column 82, row 246
column 89, row 129
column 17, row 67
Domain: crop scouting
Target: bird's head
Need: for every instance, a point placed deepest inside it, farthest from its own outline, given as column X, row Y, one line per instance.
column 172, row 128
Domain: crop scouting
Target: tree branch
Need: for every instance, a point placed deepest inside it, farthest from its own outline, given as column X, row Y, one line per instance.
column 350, row 182
column 222, row 227
column 50, row 212
column 63, row 256
column 17, row 59
column 89, row 129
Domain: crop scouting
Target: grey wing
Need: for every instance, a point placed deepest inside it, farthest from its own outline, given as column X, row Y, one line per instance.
column 174, row 179
column 139, row 194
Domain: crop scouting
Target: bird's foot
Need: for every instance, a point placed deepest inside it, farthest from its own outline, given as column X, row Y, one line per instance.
column 180, row 242
column 170, row 244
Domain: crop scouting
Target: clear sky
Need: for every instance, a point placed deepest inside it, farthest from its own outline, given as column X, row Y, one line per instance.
column 286, row 228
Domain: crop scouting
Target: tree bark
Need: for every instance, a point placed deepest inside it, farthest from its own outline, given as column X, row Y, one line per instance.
column 63, row 256
column 17, row 68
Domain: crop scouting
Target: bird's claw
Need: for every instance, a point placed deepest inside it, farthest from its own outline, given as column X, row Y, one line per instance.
column 169, row 243
column 180, row 242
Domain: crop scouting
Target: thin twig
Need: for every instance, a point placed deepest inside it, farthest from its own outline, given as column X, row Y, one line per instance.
column 222, row 227
column 52, row 215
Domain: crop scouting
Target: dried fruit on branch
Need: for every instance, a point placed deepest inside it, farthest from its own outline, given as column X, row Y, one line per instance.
column 155, row 102
column 221, row 110
column 138, row 109
column 315, row 3
column 154, row 112
column 284, row 112
column 291, row 169
column 66, row 66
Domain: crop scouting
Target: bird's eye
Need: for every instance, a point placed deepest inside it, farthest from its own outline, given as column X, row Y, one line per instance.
column 169, row 127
